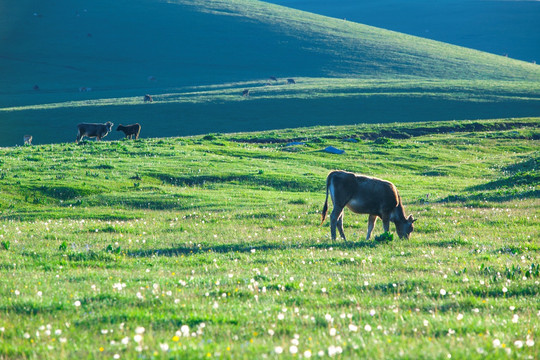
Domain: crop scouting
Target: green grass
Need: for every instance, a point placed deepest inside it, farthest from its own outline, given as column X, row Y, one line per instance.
column 220, row 233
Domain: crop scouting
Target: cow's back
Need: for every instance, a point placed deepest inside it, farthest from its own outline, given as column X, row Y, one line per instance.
column 377, row 193
column 87, row 126
column 364, row 194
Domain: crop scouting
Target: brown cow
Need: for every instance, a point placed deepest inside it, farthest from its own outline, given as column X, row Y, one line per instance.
column 365, row 195
column 130, row 130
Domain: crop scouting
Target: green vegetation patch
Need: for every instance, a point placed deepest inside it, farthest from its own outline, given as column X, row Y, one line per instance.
column 212, row 247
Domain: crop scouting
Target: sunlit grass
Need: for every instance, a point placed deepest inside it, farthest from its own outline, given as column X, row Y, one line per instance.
column 210, row 246
column 321, row 88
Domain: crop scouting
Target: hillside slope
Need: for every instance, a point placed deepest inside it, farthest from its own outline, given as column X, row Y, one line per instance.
column 497, row 27
column 67, row 45
column 124, row 49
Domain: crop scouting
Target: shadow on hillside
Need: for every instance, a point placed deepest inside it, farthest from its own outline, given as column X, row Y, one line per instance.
column 258, row 180
column 492, row 196
column 521, row 178
column 403, row 132
column 246, row 248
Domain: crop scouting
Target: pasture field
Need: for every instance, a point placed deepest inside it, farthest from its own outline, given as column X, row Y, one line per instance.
column 210, row 246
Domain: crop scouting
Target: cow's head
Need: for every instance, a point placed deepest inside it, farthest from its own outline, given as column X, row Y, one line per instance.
column 406, row 227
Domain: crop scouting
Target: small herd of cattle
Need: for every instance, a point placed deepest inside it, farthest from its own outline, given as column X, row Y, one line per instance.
column 361, row 194
column 99, row 131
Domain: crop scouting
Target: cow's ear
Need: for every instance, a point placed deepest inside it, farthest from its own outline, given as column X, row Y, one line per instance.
column 411, row 219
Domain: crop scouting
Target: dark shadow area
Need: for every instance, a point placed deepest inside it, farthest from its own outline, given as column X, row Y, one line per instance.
column 521, row 178
column 403, row 132
column 451, row 242
column 63, row 192
column 246, row 248
column 494, row 197
column 281, row 183
column 527, row 165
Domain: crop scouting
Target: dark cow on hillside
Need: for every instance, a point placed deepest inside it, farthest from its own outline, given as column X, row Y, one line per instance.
column 148, row 98
column 99, row 131
column 130, row 130
column 245, row 93
column 273, row 78
column 291, row 81
column 365, row 195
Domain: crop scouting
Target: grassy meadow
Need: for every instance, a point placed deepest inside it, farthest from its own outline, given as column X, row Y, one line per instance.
column 211, row 246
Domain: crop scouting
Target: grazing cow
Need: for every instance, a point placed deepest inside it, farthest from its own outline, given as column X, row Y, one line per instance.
column 291, row 81
column 130, row 130
column 148, row 98
column 98, row 131
column 245, row 92
column 273, row 78
column 365, row 195
column 27, row 139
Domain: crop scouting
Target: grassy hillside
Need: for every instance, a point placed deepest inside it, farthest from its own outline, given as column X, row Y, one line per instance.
column 210, row 246
column 307, row 103
column 173, row 49
column 497, row 27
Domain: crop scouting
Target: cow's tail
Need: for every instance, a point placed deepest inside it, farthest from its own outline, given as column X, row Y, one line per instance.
column 325, row 207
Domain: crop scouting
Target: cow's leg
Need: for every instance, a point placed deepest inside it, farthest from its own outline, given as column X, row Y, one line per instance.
column 336, row 214
column 340, row 225
column 371, row 224
column 386, row 224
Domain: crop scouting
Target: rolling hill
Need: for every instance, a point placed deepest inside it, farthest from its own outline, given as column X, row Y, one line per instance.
column 494, row 26
column 195, row 57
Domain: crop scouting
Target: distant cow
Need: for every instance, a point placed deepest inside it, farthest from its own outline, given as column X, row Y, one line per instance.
column 130, row 130
column 99, row 131
column 245, row 92
column 365, row 195
column 148, row 98
column 273, row 78
column 291, row 81
column 27, row 139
